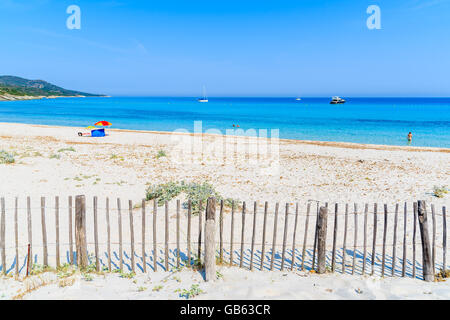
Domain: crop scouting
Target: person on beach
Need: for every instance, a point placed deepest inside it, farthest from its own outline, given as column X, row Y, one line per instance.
column 409, row 137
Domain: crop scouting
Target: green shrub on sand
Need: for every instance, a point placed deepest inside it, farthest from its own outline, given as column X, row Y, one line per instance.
column 6, row 157
column 196, row 192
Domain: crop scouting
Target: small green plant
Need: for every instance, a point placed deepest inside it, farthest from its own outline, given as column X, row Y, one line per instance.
column 442, row 275
column 6, row 158
column 38, row 269
column 160, row 154
column 163, row 192
column 440, row 192
column 140, row 289
column 91, row 267
column 113, row 156
column 192, row 292
column 157, row 288
column 197, row 264
column 219, row 275
column 71, row 149
column 65, row 270
column 129, row 275
column 87, row 277
column 55, row 156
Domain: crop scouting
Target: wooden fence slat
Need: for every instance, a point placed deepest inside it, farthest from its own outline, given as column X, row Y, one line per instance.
column 335, row 231
column 70, row 231
column 232, row 233
column 30, row 235
column 305, row 237
column 189, row 233
column 405, row 212
column 283, row 252
column 345, row 239
column 394, row 245
column 384, row 239
column 321, row 240
column 315, row 237
column 108, row 234
column 178, row 233
column 444, row 239
column 242, row 235
column 210, row 240
column 374, row 243
column 144, row 262
column 57, row 230
column 80, row 232
column 274, row 240
column 355, row 239
column 16, row 234
column 294, row 236
column 2, row 236
column 427, row 271
column 366, row 211
column 130, row 211
column 253, row 235
column 166, row 239
column 44, row 232
column 155, row 249
column 414, row 239
column 221, row 231
column 119, row 218
column 97, row 258
column 264, row 235
column 200, row 228
column 433, row 254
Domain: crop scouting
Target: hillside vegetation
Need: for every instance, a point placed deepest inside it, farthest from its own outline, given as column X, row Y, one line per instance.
column 12, row 87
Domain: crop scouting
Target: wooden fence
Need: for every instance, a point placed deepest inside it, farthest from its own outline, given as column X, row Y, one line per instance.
column 368, row 239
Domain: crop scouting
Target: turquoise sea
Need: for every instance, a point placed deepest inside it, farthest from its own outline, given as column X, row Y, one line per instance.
column 361, row 120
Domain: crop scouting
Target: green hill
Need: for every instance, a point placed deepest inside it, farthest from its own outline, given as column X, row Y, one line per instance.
column 15, row 87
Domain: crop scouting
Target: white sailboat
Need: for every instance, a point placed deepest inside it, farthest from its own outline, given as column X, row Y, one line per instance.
column 204, row 98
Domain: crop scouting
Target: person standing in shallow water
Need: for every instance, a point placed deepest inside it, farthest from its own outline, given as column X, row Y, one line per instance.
column 409, row 138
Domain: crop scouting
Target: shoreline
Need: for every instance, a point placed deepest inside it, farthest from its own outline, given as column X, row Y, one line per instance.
column 335, row 144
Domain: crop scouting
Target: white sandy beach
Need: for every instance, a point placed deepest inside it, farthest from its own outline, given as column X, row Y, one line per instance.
column 55, row 161
column 125, row 162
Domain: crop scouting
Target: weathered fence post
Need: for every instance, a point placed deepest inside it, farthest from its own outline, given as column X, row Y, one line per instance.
column 80, row 231
column 44, row 233
column 321, row 239
column 210, row 242
column 426, row 251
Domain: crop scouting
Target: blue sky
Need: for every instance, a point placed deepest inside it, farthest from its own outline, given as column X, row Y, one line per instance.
column 235, row 48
